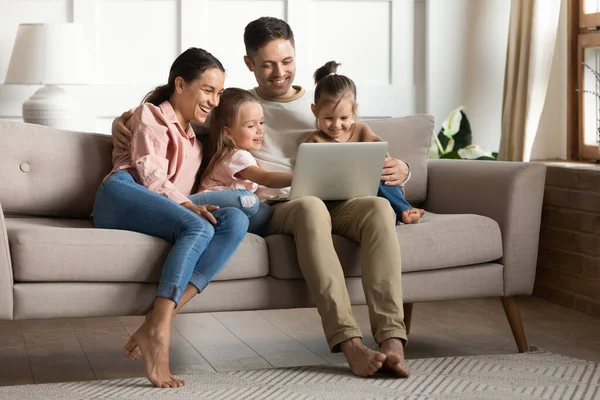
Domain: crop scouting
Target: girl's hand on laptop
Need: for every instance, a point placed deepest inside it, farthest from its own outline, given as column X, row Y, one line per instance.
column 395, row 172
column 204, row 211
column 121, row 135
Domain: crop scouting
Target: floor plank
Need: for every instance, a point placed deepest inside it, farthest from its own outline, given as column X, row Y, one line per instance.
column 279, row 349
column 102, row 340
column 82, row 349
column 54, row 352
column 14, row 363
column 222, row 349
column 300, row 324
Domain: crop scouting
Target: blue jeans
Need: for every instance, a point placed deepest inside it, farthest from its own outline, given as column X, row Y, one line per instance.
column 259, row 213
column 396, row 198
column 200, row 250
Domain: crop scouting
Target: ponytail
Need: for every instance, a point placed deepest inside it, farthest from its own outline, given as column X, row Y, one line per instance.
column 326, row 70
column 159, row 95
column 331, row 86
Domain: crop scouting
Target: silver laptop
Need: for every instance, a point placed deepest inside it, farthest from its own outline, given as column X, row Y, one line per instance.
column 337, row 171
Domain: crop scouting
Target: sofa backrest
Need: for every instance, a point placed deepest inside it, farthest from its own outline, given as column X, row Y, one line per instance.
column 56, row 173
column 408, row 139
column 51, row 172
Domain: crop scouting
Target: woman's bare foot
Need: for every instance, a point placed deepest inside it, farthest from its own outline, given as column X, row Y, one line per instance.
column 363, row 361
column 131, row 350
column 411, row 216
column 394, row 352
column 153, row 339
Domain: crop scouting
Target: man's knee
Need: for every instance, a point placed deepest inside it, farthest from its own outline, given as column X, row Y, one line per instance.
column 310, row 207
column 310, row 213
column 378, row 208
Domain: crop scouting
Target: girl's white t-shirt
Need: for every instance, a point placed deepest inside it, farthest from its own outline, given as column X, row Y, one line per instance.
column 223, row 176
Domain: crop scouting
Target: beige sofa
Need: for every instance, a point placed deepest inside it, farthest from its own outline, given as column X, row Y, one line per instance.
column 479, row 237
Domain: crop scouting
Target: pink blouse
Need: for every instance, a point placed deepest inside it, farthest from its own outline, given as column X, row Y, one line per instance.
column 163, row 156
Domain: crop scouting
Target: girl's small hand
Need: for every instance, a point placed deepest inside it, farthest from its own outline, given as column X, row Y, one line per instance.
column 204, row 211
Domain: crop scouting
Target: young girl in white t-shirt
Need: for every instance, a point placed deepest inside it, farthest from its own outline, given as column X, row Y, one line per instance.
column 236, row 128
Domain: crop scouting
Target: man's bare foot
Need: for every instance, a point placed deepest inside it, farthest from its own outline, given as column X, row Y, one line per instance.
column 394, row 362
column 363, row 361
column 411, row 216
column 153, row 339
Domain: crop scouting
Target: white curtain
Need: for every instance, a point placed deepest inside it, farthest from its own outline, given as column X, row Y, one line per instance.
column 531, row 45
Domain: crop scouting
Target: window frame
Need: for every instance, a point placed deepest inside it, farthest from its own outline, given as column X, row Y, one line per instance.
column 583, row 32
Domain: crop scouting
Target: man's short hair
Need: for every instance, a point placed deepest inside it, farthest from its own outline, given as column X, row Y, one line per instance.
column 263, row 30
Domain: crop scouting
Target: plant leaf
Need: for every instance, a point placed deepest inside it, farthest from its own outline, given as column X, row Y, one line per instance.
column 453, row 155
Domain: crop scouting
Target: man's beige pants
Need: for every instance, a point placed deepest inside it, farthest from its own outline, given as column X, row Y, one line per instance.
column 371, row 222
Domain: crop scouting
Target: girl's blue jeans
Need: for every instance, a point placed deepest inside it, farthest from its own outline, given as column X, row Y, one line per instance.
column 396, row 198
column 200, row 250
column 259, row 213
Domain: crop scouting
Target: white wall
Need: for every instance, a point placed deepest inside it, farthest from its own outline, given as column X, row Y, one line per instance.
column 466, row 56
column 133, row 43
column 407, row 56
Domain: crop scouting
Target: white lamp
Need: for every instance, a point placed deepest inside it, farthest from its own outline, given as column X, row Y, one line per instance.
column 51, row 55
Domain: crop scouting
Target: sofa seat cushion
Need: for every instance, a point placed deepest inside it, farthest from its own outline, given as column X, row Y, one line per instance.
column 61, row 250
column 439, row 241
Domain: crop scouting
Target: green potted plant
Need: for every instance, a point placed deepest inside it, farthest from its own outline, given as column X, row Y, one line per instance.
column 454, row 141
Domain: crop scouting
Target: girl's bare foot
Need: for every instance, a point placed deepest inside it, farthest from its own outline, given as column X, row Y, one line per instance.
column 412, row 216
column 394, row 352
column 153, row 339
column 362, row 360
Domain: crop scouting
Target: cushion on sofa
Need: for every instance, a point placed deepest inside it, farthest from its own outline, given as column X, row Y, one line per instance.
column 50, row 172
column 439, row 241
column 408, row 139
column 69, row 250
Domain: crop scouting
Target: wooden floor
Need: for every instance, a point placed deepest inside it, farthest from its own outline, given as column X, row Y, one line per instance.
column 41, row 351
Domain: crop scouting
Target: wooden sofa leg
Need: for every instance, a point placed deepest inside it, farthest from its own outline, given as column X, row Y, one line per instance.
column 408, row 309
column 511, row 309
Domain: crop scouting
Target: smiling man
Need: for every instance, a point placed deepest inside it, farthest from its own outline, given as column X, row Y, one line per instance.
column 370, row 221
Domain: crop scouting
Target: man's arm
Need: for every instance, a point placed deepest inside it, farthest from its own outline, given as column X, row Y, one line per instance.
column 121, row 135
column 395, row 172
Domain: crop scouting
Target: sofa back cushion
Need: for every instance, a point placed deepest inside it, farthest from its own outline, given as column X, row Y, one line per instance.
column 408, row 139
column 51, row 172
column 56, row 173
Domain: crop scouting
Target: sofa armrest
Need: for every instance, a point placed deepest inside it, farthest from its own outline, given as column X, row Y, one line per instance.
column 6, row 276
column 511, row 193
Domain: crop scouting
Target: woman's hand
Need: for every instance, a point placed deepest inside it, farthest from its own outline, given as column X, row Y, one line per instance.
column 121, row 135
column 204, row 211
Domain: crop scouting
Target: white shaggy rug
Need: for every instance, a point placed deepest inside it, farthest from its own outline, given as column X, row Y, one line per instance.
column 534, row 375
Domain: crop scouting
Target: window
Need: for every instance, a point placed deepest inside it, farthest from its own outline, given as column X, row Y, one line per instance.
column 583, row 108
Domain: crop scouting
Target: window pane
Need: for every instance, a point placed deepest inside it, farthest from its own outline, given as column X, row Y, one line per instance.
column 591, row 102
column 591, row 6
